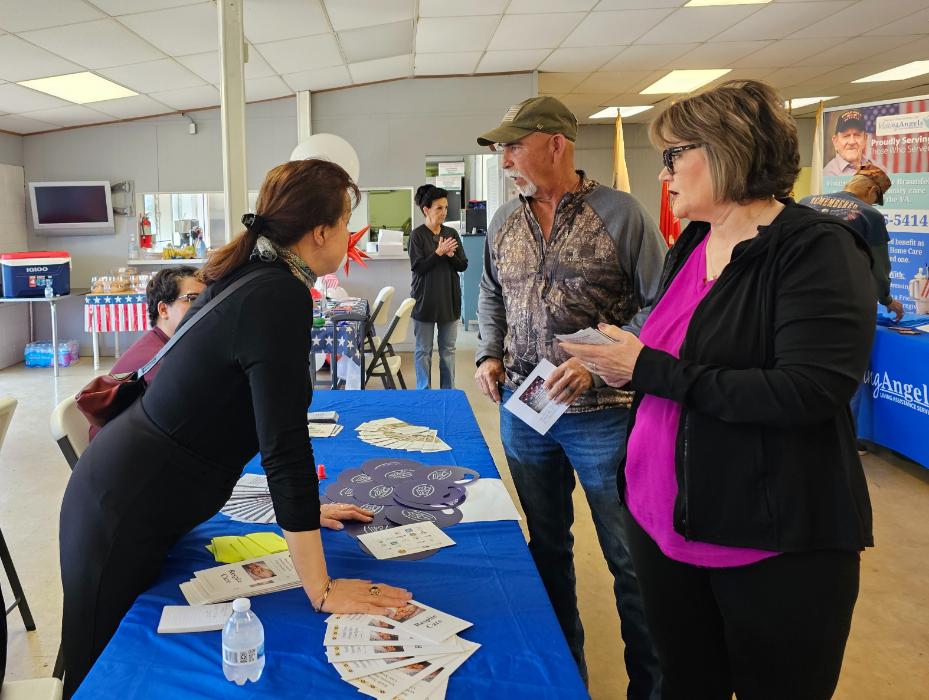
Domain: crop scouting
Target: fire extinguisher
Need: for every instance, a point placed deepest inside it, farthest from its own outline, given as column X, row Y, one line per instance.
column 145, row 235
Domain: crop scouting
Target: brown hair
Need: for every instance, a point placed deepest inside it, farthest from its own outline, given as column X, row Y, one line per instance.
column 295, row 197
column 749, row 138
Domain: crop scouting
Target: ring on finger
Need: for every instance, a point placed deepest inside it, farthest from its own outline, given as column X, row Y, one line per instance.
column 375, row 591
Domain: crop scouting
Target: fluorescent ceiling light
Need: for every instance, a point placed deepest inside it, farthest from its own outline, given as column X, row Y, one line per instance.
column 611, row 112
column 909, row 70
column 713, row 3
column 684, row 81
column 798, row 102
column 79, row 87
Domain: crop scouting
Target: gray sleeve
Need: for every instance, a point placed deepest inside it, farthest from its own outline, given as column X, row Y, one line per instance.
column 491, row 313
column 639, row 245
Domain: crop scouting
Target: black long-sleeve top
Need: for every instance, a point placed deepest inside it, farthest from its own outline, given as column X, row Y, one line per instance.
column 238, row 383
column 436, row 286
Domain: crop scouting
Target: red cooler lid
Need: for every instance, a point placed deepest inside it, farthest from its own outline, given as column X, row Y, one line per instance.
column 35, row 254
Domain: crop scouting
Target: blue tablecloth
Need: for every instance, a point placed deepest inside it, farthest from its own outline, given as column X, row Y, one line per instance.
column 894, row 411
column 488, row 578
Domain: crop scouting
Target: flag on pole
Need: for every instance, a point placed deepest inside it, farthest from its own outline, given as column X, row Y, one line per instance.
column 816, row 177
column 620, row 173
column 669, row 224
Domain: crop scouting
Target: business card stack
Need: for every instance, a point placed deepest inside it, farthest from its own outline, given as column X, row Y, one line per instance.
column 250, row 501
column 244, row 579
column 410, row 655
column 396, row 434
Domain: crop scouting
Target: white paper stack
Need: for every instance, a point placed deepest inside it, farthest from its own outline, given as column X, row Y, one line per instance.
column 400, row 435
column 323, row 430
column 409, row 657
column 243, row 579
column 250, row 501
column 322, row 417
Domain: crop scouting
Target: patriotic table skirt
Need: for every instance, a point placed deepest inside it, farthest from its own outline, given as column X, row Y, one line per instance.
column 108, row 313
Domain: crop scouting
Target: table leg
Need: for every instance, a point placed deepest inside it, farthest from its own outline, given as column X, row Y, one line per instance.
column 361, row 352
column 116, row 333
column 334, row 358
column 51, row 307
column 31, row 324
column 96, row 348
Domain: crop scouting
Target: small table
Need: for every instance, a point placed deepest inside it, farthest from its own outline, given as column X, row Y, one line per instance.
column 343, row 334
column 114, row 313
column 51, row 301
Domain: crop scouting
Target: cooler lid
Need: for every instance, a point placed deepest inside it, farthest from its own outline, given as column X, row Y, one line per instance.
column 35, row 254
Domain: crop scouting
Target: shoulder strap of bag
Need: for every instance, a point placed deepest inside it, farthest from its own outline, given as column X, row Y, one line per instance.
column 209, row 306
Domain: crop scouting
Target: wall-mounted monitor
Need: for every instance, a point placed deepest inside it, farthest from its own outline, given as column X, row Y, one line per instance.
column 67, row 208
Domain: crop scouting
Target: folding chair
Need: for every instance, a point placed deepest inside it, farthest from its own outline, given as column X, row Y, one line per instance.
column 379, row 314
column 70, row 430
column 384, row 363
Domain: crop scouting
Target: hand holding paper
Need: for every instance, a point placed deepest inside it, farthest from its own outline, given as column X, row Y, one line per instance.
column 615, row 363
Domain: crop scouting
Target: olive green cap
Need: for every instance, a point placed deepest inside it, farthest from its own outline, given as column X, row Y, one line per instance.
column 544, row 114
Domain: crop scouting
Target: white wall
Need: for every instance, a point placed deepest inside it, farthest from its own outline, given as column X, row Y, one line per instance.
column 14, row 318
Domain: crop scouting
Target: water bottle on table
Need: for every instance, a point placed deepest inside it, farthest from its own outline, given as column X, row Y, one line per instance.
column 243, row 644
column 49, row 292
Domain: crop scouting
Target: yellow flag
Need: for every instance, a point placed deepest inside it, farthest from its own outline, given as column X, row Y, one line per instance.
column 620, row 173
column 816, row 177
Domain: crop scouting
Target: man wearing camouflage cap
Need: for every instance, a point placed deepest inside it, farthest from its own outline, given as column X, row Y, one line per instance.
column 565, row 255
column 849, row 141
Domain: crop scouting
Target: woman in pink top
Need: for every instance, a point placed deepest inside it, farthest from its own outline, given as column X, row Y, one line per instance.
column 746, row 503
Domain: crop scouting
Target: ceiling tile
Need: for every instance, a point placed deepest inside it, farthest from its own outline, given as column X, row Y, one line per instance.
column 23, row 125
column 274, row 20
column 719, row 54
column 349, row 14
column 697, row 23
column 267, row 88
column 128, row 7
column 786, row 77
column 457, row 63
column 456, row 8
column 906, row 51
column 382, row 69
column 612, row 81
column 506, row 61
column 434, row 35
column 528, row 7
column 189, row 98
column 178, row 31
column 615, row 28
column 131, row 107
column 206, row 65
column 16, row 98
column 915, row 23
column 305, row 53
column 577, row 59
column 787, row 52
column 152, row 76
column 649, row 56
column 23, row 61
column 533, row 31
column 862, row 15
column 319, row 78
column 369, row 43
column 780, row 19
column 37, row 14
column 607, row 5
column 72, row 115
column 553, row 83
column 873, row 49
column 100, row 44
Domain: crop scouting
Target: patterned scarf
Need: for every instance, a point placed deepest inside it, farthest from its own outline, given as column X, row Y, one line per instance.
column 267, row 250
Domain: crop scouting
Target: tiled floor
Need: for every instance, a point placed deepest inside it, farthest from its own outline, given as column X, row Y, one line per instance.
column 887, row 656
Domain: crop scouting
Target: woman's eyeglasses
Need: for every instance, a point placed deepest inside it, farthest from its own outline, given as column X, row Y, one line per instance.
column 669, row 154
column 188, row 297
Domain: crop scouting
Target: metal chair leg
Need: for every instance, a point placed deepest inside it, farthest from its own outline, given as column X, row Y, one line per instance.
column 59, row 671
column 19, row 596
column 400, row 377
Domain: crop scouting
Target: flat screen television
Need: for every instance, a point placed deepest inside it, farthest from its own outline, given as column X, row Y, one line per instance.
column 71, row 207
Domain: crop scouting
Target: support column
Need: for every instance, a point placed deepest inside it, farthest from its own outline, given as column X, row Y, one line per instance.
column 232, row 110
column 304, row 116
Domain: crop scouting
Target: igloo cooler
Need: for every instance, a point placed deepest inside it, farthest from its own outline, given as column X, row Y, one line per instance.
column 25, row 275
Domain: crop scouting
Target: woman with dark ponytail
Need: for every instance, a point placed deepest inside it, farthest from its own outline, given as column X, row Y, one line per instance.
column 237, row 383
column 436, row 258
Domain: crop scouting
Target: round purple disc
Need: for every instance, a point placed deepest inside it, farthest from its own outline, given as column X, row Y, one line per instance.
column 355, row 476
column 404, row 515
column 340, row 492
column 378, row 523
column 374, row 493
column 460, row 476
column 372, row 466
column 413, row 492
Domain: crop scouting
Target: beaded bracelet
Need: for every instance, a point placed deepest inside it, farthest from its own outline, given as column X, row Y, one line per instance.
column 330, row 584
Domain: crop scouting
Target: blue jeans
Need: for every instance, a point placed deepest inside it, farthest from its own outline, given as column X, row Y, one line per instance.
column 422, row 357
column 543, row 469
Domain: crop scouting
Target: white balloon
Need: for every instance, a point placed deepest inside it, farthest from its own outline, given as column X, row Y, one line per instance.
column 329, row 147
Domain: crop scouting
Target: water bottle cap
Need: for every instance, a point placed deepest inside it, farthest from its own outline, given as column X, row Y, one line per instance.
column 241, row 605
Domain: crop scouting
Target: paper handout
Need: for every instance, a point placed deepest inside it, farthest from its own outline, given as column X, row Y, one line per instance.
column 193, row 618
column 531, row 403
column 405, row 539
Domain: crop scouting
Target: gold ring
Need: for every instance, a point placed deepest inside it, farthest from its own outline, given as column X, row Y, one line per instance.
column 375, row 591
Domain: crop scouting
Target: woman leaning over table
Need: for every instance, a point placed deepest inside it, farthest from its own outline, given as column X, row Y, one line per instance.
column 745, row 500
column 237, row 383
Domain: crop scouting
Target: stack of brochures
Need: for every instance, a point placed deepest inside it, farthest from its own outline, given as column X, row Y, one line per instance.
column 266, row 574
column 410, row 655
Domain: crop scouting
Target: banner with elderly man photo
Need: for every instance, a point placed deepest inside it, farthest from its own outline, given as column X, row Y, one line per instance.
column 895, row 137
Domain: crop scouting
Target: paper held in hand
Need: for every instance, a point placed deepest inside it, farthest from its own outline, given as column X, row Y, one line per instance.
column 531, row 403
column 586, row 336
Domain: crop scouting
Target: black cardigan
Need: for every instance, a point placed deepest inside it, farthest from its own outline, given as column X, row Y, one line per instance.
column 435, row 284
column 765, row 453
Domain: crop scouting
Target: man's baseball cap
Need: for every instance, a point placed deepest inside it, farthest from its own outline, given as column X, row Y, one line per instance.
column 852, row 119
column 544, row 114
column 878, row 177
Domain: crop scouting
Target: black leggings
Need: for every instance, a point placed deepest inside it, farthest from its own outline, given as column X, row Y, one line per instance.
column 772, row 630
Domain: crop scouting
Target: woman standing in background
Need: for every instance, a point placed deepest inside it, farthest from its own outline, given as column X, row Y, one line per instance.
column 436, row 258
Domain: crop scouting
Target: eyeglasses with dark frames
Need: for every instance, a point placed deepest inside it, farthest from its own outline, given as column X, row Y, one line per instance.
column 188, row 297
column 669, row 154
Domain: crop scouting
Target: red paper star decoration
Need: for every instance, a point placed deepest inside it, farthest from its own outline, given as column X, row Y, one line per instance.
column 353, row 253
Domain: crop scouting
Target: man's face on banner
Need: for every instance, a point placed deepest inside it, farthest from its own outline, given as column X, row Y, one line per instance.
column 850, row 144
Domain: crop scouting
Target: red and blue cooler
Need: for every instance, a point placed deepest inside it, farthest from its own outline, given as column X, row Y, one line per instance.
column 26, row 274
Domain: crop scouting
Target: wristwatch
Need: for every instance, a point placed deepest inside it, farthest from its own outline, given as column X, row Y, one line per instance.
column 486, row 357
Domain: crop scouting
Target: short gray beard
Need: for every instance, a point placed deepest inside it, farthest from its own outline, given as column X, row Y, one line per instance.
column 529, row 190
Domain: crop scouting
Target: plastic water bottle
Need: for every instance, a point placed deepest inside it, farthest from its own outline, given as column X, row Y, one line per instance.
column 243, row 644
column 49, row 292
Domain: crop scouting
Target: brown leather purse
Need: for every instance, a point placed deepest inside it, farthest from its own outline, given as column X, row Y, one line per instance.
column 108, row 395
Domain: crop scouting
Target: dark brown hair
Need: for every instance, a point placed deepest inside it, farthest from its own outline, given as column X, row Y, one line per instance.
column 295, row 197
column 427, row 194
column 164, row 286
column 749, row 138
